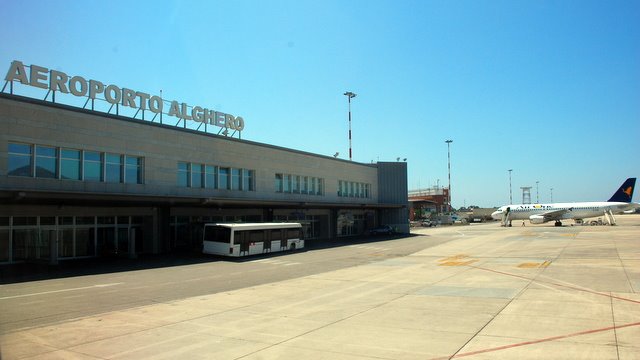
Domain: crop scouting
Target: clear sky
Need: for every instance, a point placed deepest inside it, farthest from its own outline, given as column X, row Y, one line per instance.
column 550, row 89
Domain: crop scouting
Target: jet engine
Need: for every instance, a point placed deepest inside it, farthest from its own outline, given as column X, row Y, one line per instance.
column 536, row 219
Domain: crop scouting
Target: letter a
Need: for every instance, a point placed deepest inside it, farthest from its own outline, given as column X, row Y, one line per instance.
column 16, row 72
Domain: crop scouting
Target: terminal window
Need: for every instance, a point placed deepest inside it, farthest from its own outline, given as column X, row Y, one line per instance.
column 51, row 162
column 298, row 184
column 41, row 161
column 20, row 160
column 214, row 177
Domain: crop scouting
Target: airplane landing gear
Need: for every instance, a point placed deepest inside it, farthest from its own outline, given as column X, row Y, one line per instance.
column 558, row 223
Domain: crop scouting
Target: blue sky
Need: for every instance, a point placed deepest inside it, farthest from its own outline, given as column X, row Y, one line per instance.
column 550, row 89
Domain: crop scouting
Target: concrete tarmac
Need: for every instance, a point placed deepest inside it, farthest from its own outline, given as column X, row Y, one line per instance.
column 532, row 292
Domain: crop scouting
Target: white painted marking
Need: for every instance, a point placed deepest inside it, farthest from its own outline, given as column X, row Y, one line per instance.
column 57, row 291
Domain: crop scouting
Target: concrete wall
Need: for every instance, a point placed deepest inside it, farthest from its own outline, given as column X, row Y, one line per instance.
column 392, row 183
column 162, row 147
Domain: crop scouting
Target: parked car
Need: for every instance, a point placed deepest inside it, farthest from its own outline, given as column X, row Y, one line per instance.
column 427, row 223
column 384, row 229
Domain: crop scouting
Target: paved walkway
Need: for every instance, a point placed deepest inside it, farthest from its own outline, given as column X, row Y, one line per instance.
column 491, row 293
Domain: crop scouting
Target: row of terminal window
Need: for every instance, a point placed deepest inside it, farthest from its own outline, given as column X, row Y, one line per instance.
column 299, row 184
column 48, row 162
column 353, row 189
column 215, row 177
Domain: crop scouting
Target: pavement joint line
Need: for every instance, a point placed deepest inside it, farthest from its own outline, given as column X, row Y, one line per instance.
column 626, row 273
column 538, row 341
column 557, row 284
column 57, row 291
column 615, row 331
column 323, row 326
column 524, row 288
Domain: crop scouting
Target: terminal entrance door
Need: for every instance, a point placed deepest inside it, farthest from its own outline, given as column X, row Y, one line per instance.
column 106, row 241
column 113, row 235
column 122, row 242
column 113, row 240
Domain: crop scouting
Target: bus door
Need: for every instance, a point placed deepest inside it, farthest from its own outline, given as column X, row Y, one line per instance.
column 284, row 241
column 242, row 238
column 275, row 236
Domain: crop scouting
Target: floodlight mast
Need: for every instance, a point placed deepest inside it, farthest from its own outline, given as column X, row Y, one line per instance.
column 350, row 95
column 449, row 170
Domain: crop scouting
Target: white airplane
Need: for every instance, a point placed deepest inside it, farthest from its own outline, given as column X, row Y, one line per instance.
column 542, row 213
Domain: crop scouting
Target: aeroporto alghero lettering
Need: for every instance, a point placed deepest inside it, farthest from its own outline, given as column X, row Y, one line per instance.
column 54, row 80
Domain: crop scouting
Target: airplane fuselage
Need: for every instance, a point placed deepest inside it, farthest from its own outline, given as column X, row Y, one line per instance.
column 576, row 210
column 542, row 213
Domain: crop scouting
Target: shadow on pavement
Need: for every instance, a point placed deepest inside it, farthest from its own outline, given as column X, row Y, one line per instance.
column 33, row 271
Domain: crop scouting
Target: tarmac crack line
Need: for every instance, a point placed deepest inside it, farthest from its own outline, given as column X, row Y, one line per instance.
column 456, row 353
column 322, row 327
column 557, row 284
column 615, row 332
column 538, row 341
column 553, row 338
column 626, row 273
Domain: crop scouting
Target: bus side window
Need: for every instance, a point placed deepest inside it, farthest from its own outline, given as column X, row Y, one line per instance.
column 257, row 236
column 294, row 234
column 238, row 236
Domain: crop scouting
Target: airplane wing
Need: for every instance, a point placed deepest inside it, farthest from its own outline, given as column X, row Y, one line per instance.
column 555, row 214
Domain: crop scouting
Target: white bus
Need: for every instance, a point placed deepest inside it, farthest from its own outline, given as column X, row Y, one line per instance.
column 251, row 238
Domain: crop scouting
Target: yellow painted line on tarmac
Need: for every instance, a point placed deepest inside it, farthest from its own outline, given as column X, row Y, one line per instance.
column 456, row 260
column 457, row 263
column 533, row 265
column 454, row 257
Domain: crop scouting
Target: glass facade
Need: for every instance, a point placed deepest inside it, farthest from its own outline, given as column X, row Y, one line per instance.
column 287, row 183
column 46, row 166
column 73, row 164
column 113, row 168
column 247, row 179
column 92, row 161
column 70, row 164
column 223, row 178
column 197, row 175
column 353, row 189
column 211, row 176
column 20, row 160
column 133, row 170
column 215, row 177
column 27, row 238
column 184, row 174
column 298, row 184
column 236, row 178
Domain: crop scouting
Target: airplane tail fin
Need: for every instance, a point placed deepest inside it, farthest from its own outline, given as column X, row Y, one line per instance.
column 625, row 192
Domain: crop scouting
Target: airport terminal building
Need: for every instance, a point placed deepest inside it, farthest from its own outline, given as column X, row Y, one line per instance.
column 129, row 173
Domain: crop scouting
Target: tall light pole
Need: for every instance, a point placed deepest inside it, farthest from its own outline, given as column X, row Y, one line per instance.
column 510, row 192
column 551, row 195
column 449, row 168
column 350, row 95
column 537, row 194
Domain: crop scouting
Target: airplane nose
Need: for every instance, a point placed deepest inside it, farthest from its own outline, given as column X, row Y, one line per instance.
column 496, row 215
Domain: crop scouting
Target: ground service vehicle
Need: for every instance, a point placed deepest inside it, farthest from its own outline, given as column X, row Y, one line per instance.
column 384, row 229
column 251, row 238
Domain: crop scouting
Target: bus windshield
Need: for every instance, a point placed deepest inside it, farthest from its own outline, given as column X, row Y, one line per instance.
column 217, row 234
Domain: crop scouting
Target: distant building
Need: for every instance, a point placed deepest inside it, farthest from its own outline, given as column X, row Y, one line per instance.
column 424, row 202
